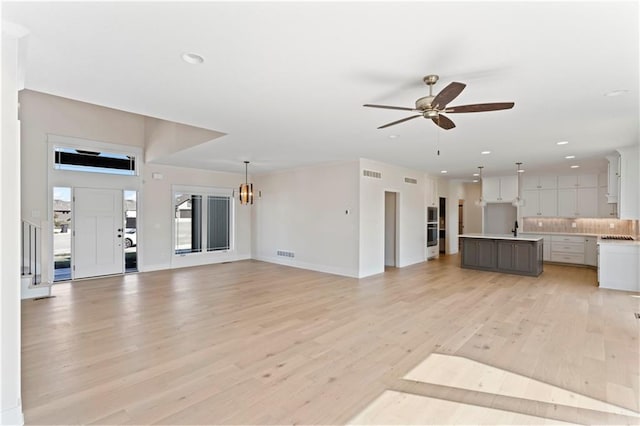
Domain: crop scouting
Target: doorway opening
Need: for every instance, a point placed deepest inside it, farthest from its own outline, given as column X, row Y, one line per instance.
column 390, row 229
column 443, row 224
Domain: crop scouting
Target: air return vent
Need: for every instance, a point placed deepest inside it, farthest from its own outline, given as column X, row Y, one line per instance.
column 285, row 253
column 372, row 174
column 410, row 180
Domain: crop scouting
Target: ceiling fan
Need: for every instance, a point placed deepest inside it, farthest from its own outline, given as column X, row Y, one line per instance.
column 432, row 107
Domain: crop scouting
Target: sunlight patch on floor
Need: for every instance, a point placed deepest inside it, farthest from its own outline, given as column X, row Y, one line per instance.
column 407, row 409
column 467, row 374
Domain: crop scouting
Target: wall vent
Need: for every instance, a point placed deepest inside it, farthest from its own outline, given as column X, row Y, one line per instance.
column 285, row 253
column 372, row 174
column 410, row 180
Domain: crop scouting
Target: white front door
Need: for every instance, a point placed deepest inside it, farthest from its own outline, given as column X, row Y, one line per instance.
column 98, row 225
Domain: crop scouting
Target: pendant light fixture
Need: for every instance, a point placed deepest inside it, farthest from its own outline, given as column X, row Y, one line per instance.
column 480, row 202
column 246, row 189
column 518, row 202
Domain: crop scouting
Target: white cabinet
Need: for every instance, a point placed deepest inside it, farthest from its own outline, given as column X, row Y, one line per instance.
column 500, row 189
column 578, row 181
column 591, row 251
column 629, row 176
column 578, row 202
column 618, row 268
column 540, row 202
column 613, row 178
column 567, row 249
column 606, row 209
column 539, row 182
column 431, row 192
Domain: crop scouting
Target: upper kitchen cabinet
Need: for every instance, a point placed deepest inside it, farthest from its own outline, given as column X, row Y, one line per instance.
column 499, row 189
column 613, row 178
column 578, row 181
column 539, row 182
column 628, row 199
column 578, row 202
column 431, row 190
column 540, row 202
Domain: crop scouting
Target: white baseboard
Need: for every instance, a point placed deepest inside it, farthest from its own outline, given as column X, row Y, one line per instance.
column 29, row 291
column 345, row 272
column 12, row 416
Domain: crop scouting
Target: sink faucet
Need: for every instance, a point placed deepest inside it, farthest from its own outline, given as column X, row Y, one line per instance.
column 515, row 229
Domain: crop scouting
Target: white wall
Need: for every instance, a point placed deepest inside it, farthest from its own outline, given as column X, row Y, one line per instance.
column 10, row 401
column 305, row 211
column 455, row 193
column 157, row 224
column 165, row 137
column 44, row 117
column 472, row 213
column 411, row 216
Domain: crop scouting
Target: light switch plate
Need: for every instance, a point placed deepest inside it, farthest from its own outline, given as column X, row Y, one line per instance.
column 612, row 225
column 574, row 225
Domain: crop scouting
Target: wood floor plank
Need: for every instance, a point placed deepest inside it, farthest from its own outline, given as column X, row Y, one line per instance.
column 256, row 343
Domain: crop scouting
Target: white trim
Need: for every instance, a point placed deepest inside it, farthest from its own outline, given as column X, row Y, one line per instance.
column 204, row 256
column 12, row 416
column 345, row 272
column 76, row 179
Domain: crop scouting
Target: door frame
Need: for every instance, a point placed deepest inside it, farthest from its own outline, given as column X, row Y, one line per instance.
column 74, row 179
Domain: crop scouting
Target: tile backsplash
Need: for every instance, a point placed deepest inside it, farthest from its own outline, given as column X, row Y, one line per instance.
column 582, row 226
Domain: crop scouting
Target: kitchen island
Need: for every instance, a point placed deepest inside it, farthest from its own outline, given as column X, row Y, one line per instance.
column 520, row 255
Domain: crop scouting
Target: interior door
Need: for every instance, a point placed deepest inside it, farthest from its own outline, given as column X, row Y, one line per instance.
column 98, row 230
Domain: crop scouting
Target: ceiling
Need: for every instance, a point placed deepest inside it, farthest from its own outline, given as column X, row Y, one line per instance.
column 286, row 81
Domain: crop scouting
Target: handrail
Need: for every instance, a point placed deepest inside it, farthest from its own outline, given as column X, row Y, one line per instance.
column 31, row 250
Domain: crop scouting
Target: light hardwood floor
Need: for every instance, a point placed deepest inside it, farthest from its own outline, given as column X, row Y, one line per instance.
column 256, row 343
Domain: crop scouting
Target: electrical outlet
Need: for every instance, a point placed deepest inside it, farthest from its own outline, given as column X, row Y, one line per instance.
column 574, row 225
column 540, row 224
column 612, row 225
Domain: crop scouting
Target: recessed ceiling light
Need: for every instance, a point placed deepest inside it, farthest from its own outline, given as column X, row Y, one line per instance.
column 562, row 143
column 569, row 157
column 443, row 171
column 616, row 92
column 476, row 174
column 575, row 166
column 476, row 181
column 192, row 58
column 485, row 152
column 521, row 171
column 393, row 136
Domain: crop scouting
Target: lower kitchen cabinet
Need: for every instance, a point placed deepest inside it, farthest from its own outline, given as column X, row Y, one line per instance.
column 479, row 253
column 516, row 256
column 513, row 256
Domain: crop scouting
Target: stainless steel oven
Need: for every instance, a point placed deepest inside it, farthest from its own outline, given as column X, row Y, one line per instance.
column 432, row 214
column 432, row 234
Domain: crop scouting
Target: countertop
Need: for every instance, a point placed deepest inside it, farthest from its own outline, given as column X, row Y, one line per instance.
column 619, row 242
column 502, row 237
column 580, row 234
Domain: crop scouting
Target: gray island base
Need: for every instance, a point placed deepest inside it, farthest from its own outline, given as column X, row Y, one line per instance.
column 502, row 253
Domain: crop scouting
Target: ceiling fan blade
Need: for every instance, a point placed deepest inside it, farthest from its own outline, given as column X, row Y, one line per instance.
column 480, row 107
column 400, row 121
column 443, row 122
column 389, row 107
column 447, row 94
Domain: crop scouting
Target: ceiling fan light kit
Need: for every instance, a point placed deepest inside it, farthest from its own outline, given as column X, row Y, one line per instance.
column 432, row 107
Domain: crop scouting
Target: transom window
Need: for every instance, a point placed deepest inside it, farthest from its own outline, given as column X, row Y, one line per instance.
column 94, row 161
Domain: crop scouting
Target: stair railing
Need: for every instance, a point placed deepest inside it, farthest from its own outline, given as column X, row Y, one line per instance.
column 31, row 250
